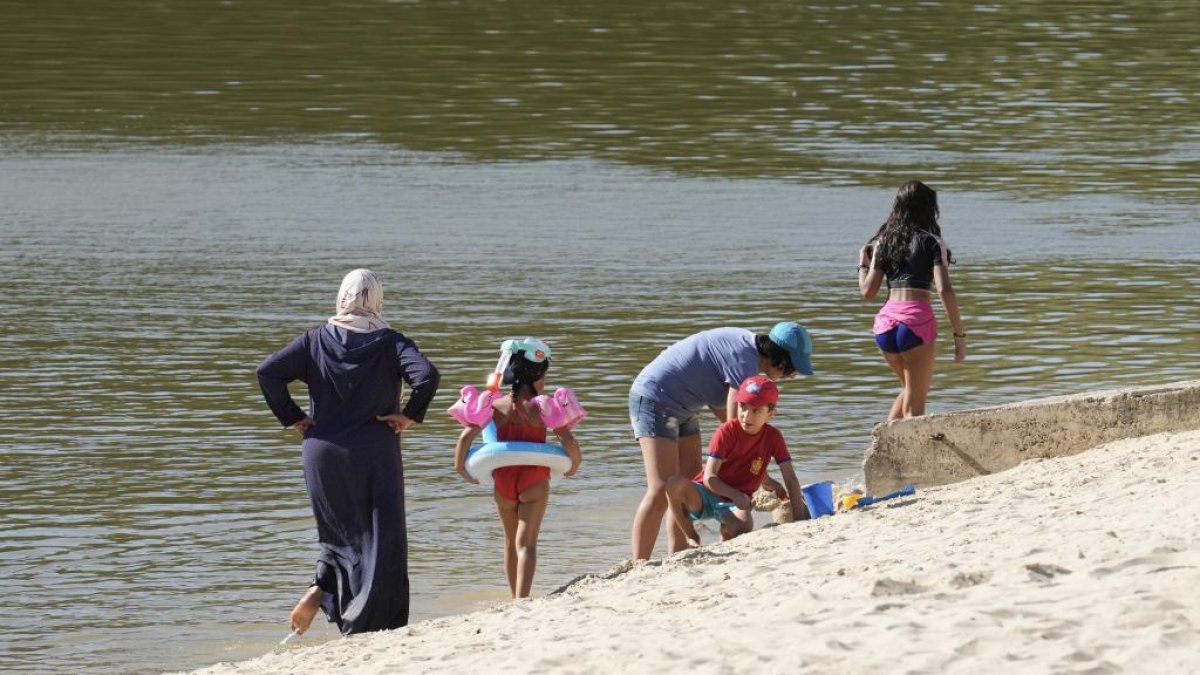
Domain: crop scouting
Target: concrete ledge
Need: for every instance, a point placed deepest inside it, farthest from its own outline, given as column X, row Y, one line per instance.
column 950, row 447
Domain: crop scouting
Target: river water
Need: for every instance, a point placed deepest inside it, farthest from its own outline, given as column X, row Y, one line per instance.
column 183, row 185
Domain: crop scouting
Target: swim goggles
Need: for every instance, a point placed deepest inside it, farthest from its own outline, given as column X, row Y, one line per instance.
column 531, row 349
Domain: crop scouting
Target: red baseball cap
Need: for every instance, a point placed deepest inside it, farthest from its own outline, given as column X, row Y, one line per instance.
column 757, row 390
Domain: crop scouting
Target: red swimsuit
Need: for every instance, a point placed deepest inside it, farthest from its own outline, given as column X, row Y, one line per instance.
column 511, row 481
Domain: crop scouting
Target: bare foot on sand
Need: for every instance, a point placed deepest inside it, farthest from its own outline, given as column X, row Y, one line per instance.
column 306, row 609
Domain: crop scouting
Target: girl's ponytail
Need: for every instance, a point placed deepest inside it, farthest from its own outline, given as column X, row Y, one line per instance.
column 522, row 373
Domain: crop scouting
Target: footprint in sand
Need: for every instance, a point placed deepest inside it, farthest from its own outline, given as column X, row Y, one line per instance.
column 969, row 579
column 1045, row 571
column 892, row 587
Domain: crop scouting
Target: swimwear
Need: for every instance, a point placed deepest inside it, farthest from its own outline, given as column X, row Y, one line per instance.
column 915, row 315
column 899, row 339
column 712, row 505
column 926, row 251
column 511, row 481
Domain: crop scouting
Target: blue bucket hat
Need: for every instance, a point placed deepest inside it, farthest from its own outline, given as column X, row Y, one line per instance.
column 795, row 339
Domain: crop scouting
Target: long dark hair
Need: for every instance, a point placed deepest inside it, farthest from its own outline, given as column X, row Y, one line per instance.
column 522, row 373
column 914, row 210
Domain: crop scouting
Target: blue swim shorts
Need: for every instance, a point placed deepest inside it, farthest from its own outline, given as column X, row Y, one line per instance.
column 899, row 339
column 651, row 419
column 713, row 506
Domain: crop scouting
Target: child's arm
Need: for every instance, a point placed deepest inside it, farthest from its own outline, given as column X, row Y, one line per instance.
column 773, row 486
column 572, row 447
column 713, row 482
column 793, row 490
column 460, row 452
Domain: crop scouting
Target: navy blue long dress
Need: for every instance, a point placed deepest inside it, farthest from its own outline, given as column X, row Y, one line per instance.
column 352, row 463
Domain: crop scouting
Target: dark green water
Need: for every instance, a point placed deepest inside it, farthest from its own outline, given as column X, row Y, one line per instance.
column 183, row 184
column 1034, row 97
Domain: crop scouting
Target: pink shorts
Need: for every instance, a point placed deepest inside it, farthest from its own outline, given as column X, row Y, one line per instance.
column 916, row 314
column 511, row 481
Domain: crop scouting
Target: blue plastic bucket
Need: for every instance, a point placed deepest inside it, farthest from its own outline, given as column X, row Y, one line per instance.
column 818, row 497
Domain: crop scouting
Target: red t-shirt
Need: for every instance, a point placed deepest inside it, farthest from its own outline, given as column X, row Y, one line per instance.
column 744, row 458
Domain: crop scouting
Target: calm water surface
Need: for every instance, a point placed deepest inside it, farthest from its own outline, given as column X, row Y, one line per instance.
column 183, row 186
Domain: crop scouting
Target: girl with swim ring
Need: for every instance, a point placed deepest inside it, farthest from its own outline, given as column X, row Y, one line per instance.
column 521, row 492
column 908, row 251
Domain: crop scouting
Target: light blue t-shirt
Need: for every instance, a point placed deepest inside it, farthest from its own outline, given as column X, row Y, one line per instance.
column 698, row 371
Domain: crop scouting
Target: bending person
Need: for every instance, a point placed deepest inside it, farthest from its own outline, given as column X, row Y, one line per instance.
column 353, row 366
column 909, row 252
column 667, row 398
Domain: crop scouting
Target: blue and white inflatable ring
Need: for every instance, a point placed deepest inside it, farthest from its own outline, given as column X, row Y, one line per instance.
column 492, row 454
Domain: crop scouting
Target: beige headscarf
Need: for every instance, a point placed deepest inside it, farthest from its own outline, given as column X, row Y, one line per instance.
column 360, row 303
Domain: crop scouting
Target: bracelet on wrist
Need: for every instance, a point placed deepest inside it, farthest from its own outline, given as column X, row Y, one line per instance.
column 960, row 335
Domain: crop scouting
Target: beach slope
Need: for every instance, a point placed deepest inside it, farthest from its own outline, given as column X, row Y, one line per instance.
column 1088, row 563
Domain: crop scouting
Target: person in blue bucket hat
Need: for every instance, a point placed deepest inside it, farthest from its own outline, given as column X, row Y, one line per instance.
column 795, row 339
column 669, row 395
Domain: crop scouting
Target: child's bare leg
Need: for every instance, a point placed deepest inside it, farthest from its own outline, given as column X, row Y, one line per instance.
column 690, row 464
column 306, row 609
column 736, row 523
column 727, row 532
column 682, row 497
column 530, row 511
column 507, row 510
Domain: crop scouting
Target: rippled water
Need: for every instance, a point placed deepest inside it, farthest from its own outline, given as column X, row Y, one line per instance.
column 155, row 516
column 183, row 186
column 1031, row 97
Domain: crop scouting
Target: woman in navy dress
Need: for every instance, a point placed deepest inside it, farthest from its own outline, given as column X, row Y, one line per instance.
column 353, row 366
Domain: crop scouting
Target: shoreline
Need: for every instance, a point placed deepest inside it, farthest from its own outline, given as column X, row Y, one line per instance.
column 1086, row 563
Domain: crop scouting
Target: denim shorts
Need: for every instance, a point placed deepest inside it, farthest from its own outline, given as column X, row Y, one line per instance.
column 651, row 419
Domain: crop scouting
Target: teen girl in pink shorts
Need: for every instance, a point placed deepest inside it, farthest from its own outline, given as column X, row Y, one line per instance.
column 908, row 251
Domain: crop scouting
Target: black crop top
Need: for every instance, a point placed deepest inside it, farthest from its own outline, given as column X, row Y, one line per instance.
column 917, row 271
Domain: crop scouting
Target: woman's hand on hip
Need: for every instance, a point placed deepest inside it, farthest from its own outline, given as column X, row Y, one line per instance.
column 303, row 425
column 396, row 421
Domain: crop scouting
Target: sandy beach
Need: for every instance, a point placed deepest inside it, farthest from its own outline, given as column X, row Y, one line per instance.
column 1082, row 564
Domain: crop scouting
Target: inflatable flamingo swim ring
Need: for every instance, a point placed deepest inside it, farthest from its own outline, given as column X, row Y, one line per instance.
column 562, row 410
column 473, row 409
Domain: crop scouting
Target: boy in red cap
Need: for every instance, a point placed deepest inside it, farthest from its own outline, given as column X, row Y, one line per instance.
column 737, row 465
